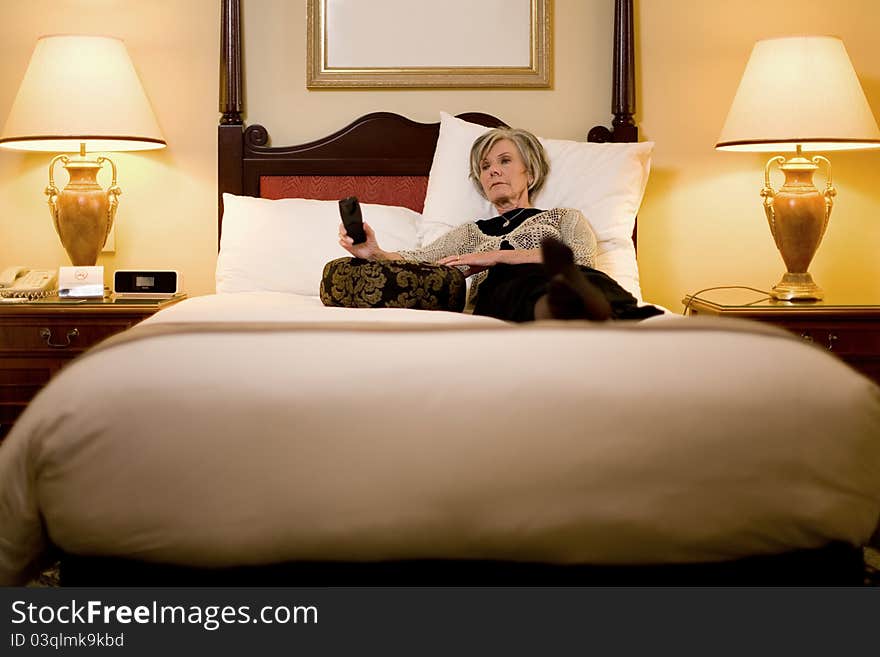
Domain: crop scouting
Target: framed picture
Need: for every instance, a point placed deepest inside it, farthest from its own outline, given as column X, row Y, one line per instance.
column 425, row 43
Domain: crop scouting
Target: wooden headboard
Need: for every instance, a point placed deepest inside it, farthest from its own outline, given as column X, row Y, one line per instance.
column 381, row 157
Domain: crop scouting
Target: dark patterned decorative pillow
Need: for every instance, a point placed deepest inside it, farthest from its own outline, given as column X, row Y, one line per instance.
column 356, row 283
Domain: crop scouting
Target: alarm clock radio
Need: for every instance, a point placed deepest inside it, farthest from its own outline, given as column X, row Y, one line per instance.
column 146, row 283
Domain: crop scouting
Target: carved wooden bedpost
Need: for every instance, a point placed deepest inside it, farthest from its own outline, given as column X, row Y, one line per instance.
column 623, row 92
column 229, row 132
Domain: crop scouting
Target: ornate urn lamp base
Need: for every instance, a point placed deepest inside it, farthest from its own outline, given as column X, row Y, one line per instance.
column 83, row 212
column 798, row 215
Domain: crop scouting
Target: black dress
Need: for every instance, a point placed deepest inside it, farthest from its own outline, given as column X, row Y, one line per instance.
column 509, row 292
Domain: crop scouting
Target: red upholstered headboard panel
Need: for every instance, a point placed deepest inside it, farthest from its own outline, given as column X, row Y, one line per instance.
column 408, row 191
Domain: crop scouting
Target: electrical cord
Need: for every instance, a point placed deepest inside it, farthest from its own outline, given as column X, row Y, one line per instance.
column 694, row 296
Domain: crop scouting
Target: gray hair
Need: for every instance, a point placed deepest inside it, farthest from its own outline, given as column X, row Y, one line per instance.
column 530, row 149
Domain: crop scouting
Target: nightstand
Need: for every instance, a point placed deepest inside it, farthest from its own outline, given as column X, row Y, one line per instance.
column 851, row 331
column 38, row 338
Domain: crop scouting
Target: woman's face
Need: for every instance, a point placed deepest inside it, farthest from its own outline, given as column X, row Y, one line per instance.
column 504, row 176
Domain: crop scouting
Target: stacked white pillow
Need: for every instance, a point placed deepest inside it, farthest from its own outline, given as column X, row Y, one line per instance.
column 604, row 181
column 283, row 245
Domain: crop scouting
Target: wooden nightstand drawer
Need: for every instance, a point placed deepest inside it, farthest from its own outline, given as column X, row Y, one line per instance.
column 841, row 340
column 37, row 336
column 20, row 380
column 19, row 392
column 9, row 412
column 23, row 373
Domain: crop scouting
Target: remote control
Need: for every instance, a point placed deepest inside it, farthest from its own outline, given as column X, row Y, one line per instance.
column 350, row 211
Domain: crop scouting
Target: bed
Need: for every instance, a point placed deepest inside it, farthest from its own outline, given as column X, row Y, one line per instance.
column 256, row 436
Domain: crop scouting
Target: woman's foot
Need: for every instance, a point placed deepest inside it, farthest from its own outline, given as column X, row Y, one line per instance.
column 569, row 295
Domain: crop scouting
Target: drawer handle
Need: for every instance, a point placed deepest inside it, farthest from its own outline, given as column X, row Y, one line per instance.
column 806, row 337
column 46, row 334
column 832, row 338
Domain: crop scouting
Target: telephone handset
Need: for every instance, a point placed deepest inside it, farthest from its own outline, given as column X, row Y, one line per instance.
column 24, row 283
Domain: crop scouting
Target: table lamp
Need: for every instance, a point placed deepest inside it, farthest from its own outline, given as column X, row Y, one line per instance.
column 81, row 94
column 798, row 94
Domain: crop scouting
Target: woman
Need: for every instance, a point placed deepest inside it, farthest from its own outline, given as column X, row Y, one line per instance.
column 527, row 263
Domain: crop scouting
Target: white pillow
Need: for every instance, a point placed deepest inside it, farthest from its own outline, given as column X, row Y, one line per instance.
column 283, row 245
column 604, row 181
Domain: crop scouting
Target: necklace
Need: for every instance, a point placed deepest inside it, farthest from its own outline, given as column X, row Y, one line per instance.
column 507, row 220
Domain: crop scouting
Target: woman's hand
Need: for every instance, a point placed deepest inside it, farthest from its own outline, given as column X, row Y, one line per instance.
column 482, row 260
column 366, row 250
column 475, row 262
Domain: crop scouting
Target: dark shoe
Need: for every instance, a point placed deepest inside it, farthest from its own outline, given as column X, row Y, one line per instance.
column 569, row 294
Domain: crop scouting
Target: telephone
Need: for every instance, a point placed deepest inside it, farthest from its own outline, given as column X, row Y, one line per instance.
column 24, row 283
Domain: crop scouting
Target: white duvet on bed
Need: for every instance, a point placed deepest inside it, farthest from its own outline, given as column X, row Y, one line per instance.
column 440, row 436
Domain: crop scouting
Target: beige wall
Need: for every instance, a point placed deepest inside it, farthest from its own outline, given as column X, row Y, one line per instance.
column 701, row 223
column 275, row 34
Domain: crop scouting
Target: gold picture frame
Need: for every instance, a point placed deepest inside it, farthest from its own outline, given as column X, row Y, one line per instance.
column 399, row 44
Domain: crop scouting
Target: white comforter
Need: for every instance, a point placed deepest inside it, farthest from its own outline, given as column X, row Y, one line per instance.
column 440, row 436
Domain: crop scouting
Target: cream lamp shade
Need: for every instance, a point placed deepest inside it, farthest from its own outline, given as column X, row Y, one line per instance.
column 799, row 90
column 81, row 89
column 81, row 94
column 798, row 94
